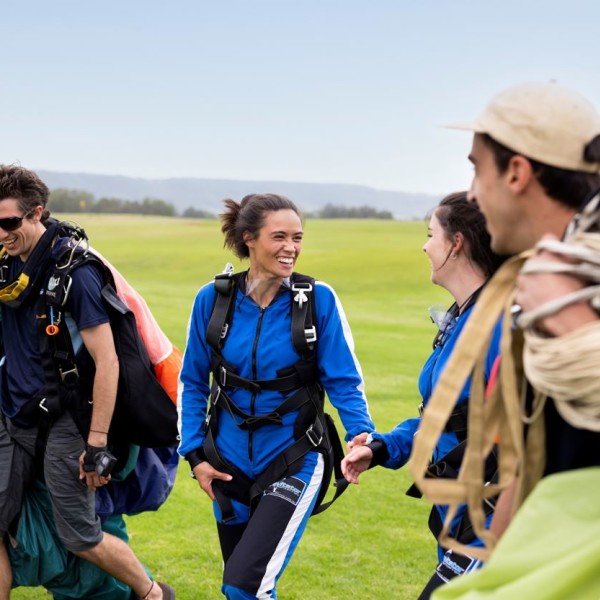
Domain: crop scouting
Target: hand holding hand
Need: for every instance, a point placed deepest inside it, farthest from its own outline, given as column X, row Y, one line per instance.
column 359, row 440
column 357, row 461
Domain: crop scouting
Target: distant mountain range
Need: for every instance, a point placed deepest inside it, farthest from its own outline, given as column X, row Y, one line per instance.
column 208, row 194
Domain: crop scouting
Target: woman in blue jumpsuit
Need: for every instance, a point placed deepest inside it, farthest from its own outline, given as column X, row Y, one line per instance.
column 461, row 262
column 258, row 539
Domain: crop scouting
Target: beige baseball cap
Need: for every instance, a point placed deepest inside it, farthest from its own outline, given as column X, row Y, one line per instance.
column 543, row 121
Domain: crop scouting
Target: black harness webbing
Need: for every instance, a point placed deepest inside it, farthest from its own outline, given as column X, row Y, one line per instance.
column 308, row 399
column 253, row 422
column 297, row 375
column 218, row 326
column 448, row 468
column 457, row 422
column 244, row 488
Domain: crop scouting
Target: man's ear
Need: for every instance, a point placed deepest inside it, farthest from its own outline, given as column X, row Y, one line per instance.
column 248, row 239
column 38, row 212
column 519, row 174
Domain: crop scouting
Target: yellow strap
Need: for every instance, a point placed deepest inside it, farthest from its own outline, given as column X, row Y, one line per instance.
column 12, row 291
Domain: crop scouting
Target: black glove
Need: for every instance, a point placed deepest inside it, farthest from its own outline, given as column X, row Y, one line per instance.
column 98, row 459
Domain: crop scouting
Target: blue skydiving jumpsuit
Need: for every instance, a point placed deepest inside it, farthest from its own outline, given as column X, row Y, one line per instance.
column 399, row 441
column 256, row 547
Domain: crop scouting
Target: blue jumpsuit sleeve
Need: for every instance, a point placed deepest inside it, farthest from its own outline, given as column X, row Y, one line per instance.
column 194, row 379
column 339, row 369
column 399, row 442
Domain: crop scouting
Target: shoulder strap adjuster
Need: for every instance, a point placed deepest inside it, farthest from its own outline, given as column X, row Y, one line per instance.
column 313, row 437
column 311, row 334
column 222, row 377
column 69, row 376
column 218, row 325
column 223, row 284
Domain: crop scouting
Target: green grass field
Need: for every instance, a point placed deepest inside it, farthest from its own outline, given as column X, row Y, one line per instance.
column 374, row 542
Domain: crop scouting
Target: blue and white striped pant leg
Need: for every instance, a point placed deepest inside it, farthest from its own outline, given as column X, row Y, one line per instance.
column 272, row 533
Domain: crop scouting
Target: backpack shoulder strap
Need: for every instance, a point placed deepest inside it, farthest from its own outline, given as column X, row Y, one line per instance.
column 226, row 285
column 334, row 454
column 304, row 332
column 56, row 343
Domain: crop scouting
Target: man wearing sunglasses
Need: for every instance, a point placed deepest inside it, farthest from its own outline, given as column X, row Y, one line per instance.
column 27, row 252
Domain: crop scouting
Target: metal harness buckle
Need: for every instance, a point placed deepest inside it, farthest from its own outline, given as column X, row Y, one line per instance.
column 311, row 334
column 312, row 436
column 67, row 373
column 223, row 376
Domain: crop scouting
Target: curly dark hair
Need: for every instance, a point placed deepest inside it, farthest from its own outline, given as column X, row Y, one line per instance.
column 24, row 186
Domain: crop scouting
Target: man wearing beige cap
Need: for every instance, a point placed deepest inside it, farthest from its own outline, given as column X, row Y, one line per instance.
column 536, row 155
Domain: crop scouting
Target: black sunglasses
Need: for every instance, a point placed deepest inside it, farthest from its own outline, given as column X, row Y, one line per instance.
column 12, row 223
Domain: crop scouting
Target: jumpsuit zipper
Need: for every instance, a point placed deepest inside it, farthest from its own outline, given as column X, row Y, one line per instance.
column 254, row 376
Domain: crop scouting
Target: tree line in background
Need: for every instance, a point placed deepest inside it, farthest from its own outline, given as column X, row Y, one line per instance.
column 331, row 211
column 78, row 201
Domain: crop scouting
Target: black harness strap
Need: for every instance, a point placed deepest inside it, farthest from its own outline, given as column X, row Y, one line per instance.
column 247, row 490
column 56, row 346
column 304, row 333
column 287, row 461
column 290, row 379
column 448, row 468
column 253, row 422
column 340, row 482
column 61, row 376
column 458, row 420
column 238, row 486
column 218, row 326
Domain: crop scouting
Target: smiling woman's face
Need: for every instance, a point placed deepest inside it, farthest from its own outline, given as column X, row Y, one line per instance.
column 275, row 250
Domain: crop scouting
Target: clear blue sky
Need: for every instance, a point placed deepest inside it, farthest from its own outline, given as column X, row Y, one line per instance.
column 341, row 91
